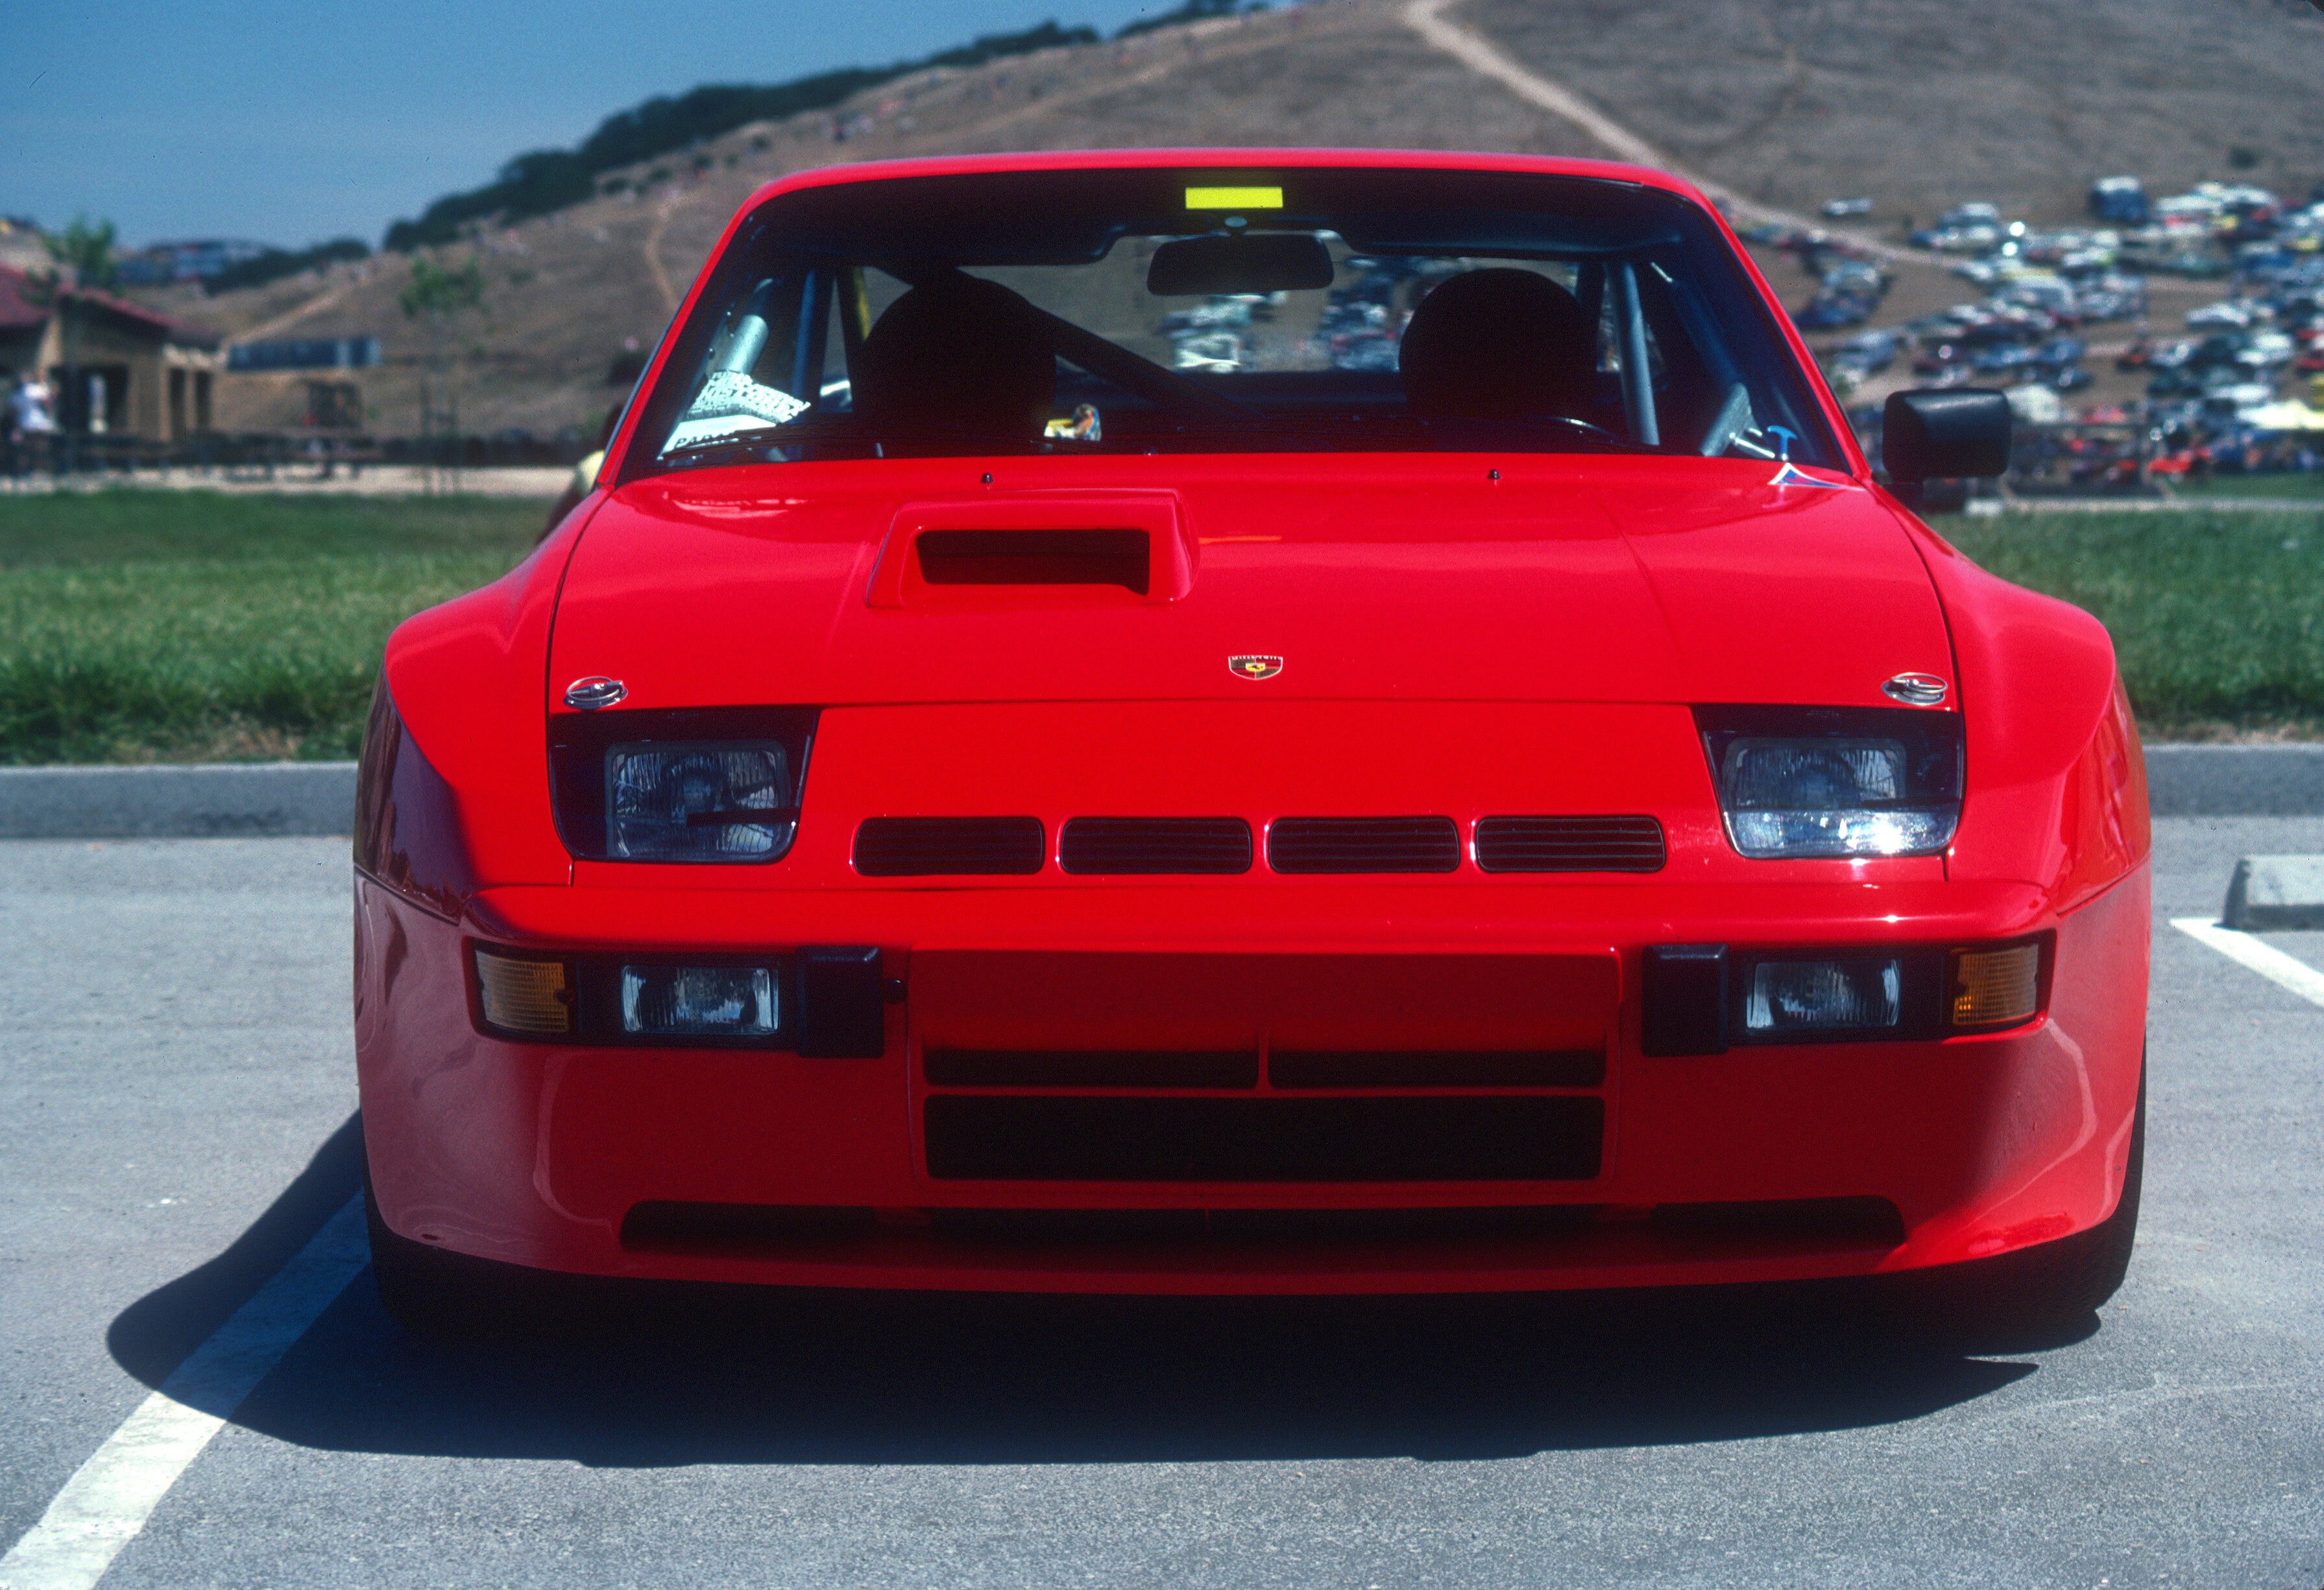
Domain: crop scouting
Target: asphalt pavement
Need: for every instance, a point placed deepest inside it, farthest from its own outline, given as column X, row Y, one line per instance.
column 176, row 1122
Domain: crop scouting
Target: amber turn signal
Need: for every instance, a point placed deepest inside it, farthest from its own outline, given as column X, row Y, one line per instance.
column 522, row 993
column 1996, row 988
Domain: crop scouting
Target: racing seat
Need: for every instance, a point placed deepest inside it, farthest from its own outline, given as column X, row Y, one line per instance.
column 1499, row 344
column 961, row 357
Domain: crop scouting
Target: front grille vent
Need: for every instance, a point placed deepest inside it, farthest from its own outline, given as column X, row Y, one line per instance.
column 1364, row 845
column 1569, row 845
column 1127, row 845
column 931, row 846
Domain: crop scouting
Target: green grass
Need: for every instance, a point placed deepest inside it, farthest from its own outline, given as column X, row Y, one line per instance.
column 162, row 625
column 2218, row 617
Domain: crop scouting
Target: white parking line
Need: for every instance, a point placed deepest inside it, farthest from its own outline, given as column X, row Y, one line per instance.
column 109, row 1497
column 2264, row 959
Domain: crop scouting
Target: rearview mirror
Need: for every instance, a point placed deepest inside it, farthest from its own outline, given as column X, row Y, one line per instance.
column 1259, row 262
column 1944, row 436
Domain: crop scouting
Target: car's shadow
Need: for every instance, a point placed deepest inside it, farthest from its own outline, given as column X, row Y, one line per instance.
column 898, row 1379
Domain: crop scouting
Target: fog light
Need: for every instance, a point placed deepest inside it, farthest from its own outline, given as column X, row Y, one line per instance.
column 1808, row 998
column 1995, row 987
column 699, row 1002
column 524, row 994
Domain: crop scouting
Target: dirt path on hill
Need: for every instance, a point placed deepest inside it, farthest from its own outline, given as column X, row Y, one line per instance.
column 651, row 248
column 313, row 306
column 1487, row 59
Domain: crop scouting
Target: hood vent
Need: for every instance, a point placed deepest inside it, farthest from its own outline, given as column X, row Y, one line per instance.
column 1569, row 845
column 1121, row 558
column 937, row 846
column 1364, row 845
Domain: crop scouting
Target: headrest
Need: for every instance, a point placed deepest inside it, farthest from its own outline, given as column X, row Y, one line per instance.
column 1500, row 344
column 963, row 355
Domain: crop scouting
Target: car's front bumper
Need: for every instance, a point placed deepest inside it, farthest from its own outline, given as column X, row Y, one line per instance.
column 1762, row 1164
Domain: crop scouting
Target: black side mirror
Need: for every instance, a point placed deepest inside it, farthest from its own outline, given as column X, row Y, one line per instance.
column 1944, row 436
column 1258, row 262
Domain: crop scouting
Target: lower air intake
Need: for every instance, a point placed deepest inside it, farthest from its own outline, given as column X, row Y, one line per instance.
column 1533, row 1234
column 1364, row 845
column 1470, row 1137
column 1569, row 844
column 936, row 846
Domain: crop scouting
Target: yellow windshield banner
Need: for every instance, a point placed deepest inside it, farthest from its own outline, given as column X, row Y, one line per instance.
column 1234, row 199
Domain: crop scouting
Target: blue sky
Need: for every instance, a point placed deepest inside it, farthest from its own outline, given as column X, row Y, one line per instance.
column 290, row 121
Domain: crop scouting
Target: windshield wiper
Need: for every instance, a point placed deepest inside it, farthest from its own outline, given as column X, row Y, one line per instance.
column 1401, row 435
column 843, row 429
column 1349, row 435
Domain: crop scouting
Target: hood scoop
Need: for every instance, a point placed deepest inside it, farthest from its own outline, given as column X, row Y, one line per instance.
column 1101, row 550
column 1110, row 558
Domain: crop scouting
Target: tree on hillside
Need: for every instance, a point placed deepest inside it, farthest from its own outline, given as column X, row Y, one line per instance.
column 547, row 180
column 440, row 294
column 440, row 297
column 86, row 249
column 274, row 263
column 1192, row 11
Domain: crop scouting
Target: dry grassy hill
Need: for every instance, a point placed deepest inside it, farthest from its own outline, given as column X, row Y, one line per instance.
column 1920, row 102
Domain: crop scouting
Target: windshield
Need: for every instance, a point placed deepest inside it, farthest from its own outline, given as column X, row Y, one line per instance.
column 1163, row 311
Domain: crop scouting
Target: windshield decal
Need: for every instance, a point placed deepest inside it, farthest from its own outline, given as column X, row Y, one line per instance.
column 731, row 403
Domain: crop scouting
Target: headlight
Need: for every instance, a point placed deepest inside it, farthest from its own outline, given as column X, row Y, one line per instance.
column 697, row 802
column 1832, row 782
column 711, row 785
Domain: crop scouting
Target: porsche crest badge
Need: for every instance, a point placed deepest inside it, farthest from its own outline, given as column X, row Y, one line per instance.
column 1915, row 689
column 1254, row 668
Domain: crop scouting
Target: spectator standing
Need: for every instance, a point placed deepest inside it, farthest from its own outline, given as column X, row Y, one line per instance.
column 32, row 418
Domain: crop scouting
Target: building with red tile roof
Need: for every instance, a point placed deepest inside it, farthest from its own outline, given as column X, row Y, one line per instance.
column 116, row 367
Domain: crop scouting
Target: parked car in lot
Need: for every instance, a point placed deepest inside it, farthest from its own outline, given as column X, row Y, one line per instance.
column 2121, row 200
column 1545, row 814
column 1869, row 352
column 2228, row 312
column 2003, row 358
column 2266, row 350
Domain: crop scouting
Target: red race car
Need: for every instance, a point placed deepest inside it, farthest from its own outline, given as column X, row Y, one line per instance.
column 1251, row 721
